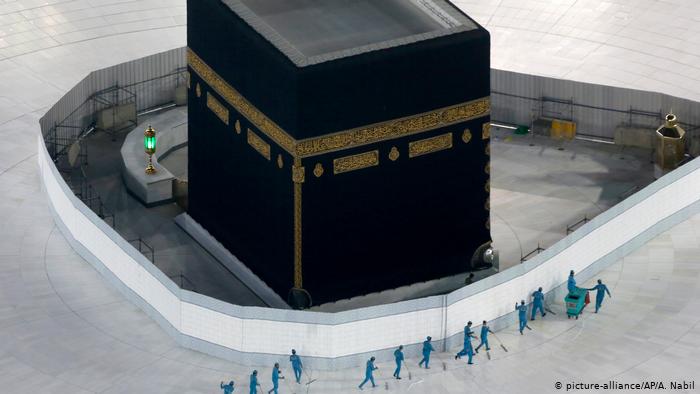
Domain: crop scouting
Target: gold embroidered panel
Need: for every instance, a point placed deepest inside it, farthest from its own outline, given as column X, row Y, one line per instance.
column 467, row 136
column 298, row 172
column 231, row 95
column 258, row 144
column 486, row 131
column 430, row 145
column 394, row 153
column 217, row 108
column 280, row 161
column 356, row 162
column 318, row 170
column 393, row 129
column 360, row 136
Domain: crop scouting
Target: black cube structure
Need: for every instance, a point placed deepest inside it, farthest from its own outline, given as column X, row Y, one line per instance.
column 340, row 146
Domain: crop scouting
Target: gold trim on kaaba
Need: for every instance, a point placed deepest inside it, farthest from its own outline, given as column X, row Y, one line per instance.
column 430, row 145
column 393, row 129
column 486, row 131
column 356, row 162
column 487, row 205
column 198, row 90
column 466, row 136
column 258, row 144
column 487, row 150
column 280, row 161
column 237, row 101
column 298, row 177
column 394, row 154
column 298, row 173
column 487, row 168
column 364, row 135
column 487, row 187
column 237, row 126
column 318, row 170
column 217, row 108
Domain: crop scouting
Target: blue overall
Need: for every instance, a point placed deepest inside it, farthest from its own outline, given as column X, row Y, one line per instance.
column 485, row 330
column 427, row 348
column 537, row 304
column 297, row 366
column 571, row 284
column 369, row 377
column 398, row 356
column 601, row 289
column 522, row 316
column 253, row 384
column 228, row 388
column 467, row 349
column 275, row 381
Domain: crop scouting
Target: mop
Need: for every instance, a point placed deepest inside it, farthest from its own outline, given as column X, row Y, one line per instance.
column 499, row 341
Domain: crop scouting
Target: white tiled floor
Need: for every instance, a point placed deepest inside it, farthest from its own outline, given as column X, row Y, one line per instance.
column 639, row 44
column 63, row 330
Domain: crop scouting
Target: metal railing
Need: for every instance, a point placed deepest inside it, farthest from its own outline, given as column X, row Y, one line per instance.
column 565, row 107
column 571, row 228
column 536, row 251
column 628, row 192
column 93, row 200
column 144, row 248
column 61, row 142
column 184, row 283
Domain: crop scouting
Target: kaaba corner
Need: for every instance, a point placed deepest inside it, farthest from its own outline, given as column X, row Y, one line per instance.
column 340, row 147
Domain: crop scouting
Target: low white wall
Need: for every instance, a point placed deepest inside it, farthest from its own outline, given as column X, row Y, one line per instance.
column 329, row 336
column 253, row 335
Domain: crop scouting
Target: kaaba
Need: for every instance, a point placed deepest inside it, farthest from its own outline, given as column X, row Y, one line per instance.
column 340, row 146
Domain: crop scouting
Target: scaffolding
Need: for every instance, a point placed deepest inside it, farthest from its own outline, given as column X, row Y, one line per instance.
column 114, row 109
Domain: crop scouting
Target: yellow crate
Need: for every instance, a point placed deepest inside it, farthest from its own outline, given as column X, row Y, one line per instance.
column 563, row 129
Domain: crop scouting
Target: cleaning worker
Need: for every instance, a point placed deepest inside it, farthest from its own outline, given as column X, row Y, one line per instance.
column 600, row 294
column 254, row 382
column 369, row 373
column 467, row 349
column 275, row 379
column 522, row 315
column 538, row 303
column 571, row 284
column 427, row 348
column 485, row 330
column 296, row 365
column 228, row 388
column 398, row 357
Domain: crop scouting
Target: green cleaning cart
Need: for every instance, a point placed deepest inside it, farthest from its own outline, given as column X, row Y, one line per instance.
column 575, row 302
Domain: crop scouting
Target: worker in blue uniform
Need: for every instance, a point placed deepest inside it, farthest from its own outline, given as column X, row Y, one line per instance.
column 485, row 330
column 254, row 382
column 276, row 376
column 601, row 289
column 427, row 348
column 369, row 373
column 538, row 303
column 296, row 365
column 467, row 349
column 228, row 388
column 398, row 357
column 571, row 283
column 522, row 315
